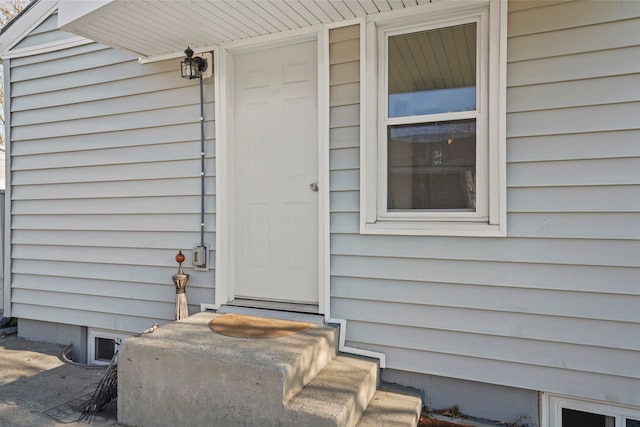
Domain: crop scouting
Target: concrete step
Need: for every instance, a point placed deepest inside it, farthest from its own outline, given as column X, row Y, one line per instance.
column 185, row 374
column 338, row 396
column 392, row 408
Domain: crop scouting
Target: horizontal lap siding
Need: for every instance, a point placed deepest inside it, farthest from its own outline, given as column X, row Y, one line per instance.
column 553, row 306
column 106, row 187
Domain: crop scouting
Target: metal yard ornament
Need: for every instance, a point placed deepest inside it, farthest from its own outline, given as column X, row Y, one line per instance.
column 180, row 280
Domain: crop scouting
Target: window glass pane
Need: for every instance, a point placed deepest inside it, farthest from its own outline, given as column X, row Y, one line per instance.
column 573, row 418
column 432, row 166
column 632, row 423
column 432, row 71
column 104, row 349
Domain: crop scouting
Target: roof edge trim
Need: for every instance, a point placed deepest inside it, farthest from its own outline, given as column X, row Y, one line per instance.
column 25, row 24
column 47, row 47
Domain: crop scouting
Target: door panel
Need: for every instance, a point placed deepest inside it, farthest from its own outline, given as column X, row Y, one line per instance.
column 276, row 160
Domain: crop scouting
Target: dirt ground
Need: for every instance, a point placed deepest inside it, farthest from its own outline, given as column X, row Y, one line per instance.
column 452, row 417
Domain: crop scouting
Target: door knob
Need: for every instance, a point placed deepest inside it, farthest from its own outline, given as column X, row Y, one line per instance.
column 314, row 186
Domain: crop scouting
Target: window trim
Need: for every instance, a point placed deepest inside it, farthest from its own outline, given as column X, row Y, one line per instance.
column 489, row 219
column 552, row 405
column 105, row 334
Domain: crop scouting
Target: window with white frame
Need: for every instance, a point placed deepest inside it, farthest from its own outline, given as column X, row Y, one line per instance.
column 561, row 411
column 103, row 345
column 433, row 156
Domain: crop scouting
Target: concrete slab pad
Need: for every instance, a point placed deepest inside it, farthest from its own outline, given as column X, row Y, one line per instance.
column 33, row 379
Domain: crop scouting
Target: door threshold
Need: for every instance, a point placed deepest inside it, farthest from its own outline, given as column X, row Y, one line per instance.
column 275, row 305
column 274, row 310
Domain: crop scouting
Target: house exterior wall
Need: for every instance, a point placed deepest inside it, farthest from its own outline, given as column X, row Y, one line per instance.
column 105, row 160
column 105, row 189
column 554, row 305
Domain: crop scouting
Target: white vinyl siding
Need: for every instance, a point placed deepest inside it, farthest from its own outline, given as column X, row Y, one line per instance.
column 554, row 305
column 105, row 156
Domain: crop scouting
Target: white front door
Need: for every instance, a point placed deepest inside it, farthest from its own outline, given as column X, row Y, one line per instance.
column 275, row 166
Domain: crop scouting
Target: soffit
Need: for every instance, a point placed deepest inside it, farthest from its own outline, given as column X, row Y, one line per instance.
column 151, row 28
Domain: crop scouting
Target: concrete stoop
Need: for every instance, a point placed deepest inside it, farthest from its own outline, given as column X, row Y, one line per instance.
column 185, row 374
column 336, row 397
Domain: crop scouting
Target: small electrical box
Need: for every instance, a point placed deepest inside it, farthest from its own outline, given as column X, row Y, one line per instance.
column 199, row 256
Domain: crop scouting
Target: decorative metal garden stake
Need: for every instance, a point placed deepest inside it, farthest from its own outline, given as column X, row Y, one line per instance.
column 180, row 281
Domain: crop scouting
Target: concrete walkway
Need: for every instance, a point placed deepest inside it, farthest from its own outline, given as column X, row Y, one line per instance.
column 36, row 386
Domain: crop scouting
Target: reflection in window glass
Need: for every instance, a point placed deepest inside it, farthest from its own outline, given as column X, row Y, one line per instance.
column 632, row 423
column 432, row 71
column 432, row 166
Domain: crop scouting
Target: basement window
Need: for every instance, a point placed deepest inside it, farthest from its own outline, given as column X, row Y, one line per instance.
column 102, row 345
column 571, row 412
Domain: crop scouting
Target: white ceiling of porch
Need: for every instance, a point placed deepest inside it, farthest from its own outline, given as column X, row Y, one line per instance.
column 158, row 27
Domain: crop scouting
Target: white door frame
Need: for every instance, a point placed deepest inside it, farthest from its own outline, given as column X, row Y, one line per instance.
column 225, row 156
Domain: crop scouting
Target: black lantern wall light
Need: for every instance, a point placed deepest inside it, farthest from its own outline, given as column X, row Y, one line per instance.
column 193, row 68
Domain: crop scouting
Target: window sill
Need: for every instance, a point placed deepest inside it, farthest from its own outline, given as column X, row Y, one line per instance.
column 423, row 228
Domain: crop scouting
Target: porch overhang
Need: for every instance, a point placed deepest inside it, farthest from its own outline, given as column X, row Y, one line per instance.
column 156, row 29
